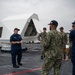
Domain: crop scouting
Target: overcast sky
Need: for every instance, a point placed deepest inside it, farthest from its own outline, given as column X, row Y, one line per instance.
column 61, row 10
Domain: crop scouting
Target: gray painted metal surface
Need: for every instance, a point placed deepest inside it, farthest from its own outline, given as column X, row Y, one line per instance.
column 31, row 63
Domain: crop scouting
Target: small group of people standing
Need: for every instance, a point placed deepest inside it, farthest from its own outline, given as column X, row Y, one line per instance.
column 53, row 46
column 43, row 35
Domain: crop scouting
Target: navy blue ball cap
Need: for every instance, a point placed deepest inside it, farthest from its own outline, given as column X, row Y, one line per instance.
column 17, row 29
column 53, row 22
column 73, row 22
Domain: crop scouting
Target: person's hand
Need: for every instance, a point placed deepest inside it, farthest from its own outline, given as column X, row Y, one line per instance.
column 21, row 41
column 18, row 42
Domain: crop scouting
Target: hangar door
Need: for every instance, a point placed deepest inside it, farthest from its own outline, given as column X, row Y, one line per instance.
column 31, row 30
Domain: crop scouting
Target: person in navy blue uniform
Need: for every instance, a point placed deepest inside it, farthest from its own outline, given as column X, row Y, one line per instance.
column 72, row 40
column 16, row 49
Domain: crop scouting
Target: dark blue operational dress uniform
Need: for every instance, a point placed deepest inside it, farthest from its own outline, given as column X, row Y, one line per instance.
column 16, row 50
column 72, row 39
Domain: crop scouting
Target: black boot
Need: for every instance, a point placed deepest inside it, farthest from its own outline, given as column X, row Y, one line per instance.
column 20, row 64
column 15, row 66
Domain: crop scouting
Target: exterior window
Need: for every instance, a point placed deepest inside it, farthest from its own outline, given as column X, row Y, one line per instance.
column 1, row 28
column 31, row 30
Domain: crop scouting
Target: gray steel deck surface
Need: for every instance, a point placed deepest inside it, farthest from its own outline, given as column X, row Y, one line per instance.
column 31, row 63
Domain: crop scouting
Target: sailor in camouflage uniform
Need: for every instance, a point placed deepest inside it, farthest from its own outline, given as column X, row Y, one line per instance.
column 64, row 37
column 53, row 53
column 41, row 38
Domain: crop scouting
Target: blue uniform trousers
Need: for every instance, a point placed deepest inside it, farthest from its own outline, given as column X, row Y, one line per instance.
column 73, row 63
column 16, row 55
